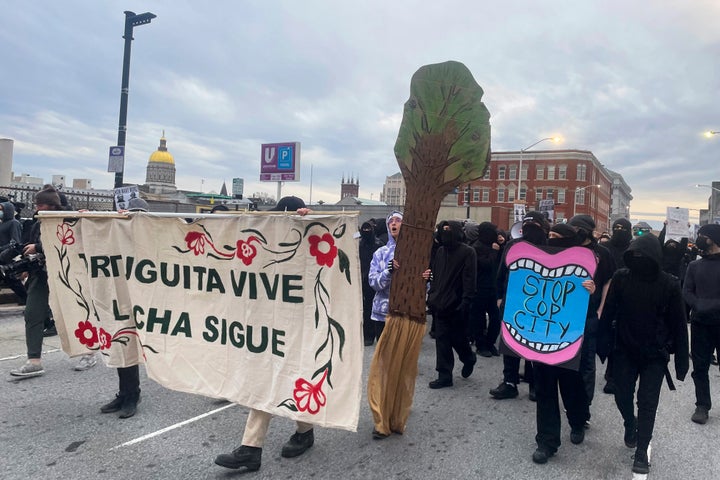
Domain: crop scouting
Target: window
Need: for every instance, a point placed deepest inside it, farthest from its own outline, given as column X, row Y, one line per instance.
column 511, row 194
column 476, row 195
column 466, row 195
column 562, row 174
column 487, row 173
column 538, row 194
column 561, row 196
column 581, row 172
column 501, row 195
column 485, row 195
column 550, row 194
column 523, row 193
column 501, row 172
column 540, row 173
column 551, row 173
column 580, row 197
column 523, row 174
column 513, row 172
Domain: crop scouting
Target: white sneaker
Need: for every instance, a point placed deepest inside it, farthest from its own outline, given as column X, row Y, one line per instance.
column 28, row 370
column 86, row 362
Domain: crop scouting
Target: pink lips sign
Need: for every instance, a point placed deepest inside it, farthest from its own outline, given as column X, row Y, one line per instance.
column 546, row 304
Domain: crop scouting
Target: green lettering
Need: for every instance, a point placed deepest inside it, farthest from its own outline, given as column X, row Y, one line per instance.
column 276, row 342
column 237, row 339
column 164, row 321
column 99, row 263
column 182, row 326
column 116, row 312
column 138, row 323
column 263, row 342
column 210, row 334
column 214, row 281
column 145, row 272
column 288, row 287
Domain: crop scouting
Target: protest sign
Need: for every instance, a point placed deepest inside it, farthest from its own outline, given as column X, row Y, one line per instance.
column 545, row 304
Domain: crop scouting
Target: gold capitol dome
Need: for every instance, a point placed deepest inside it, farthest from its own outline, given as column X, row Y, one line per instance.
column 161, row 155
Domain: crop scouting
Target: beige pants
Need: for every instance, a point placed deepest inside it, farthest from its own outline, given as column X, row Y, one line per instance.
column 256, row 428
column 394, row 368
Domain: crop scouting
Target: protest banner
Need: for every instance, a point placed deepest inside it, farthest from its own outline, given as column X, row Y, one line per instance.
column 545, row 303
column 262, row 310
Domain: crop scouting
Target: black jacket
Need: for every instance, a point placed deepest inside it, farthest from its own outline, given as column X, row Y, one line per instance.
column 644, row 315
column 454, row 275
column 702, row 289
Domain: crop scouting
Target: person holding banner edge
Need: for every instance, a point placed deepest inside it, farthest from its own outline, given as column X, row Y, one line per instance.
column 249, row 453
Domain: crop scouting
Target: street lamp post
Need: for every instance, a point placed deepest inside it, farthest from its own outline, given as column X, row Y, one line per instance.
column 131, row 20
column 712, row 201
column 577, row 190
column 522, row 155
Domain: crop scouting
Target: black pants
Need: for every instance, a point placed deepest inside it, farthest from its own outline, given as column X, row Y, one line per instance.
column 129, row 378
column 704, row 339
column 451, row 333
column 587, row 356
column 37, row 310
column 572, row 389
column 626, row 371
column 511, row 370
column 368, row 323
column 484, row 320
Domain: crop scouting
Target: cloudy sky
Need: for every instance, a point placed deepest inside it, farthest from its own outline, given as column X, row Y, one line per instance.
column 636, row 83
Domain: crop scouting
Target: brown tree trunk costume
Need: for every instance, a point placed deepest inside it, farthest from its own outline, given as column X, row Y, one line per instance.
column 444, row 141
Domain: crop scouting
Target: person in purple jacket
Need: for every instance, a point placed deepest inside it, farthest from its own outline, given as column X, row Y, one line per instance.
column 381, row 268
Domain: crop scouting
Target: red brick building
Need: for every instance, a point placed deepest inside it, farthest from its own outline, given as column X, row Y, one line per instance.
column 573, row 179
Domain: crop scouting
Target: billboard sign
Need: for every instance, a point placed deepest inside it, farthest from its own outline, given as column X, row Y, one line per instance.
column 280, row 162
column 238, row 186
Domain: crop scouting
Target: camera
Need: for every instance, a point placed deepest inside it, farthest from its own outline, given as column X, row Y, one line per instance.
column 9, row 266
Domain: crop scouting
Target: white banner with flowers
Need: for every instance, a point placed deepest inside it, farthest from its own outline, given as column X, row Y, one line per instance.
column 260, row 309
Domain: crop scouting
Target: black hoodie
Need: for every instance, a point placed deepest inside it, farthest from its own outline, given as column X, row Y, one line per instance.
column 645, row 306
column 454, row 269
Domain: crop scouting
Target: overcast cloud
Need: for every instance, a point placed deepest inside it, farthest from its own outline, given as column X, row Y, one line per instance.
column 636, row 83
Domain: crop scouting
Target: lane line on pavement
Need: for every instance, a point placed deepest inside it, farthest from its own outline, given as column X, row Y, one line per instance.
column 15, row 357
column 172, row 427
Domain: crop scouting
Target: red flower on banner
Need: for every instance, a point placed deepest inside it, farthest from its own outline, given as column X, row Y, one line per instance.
column 246, row 251
column 86, row 333
column 196, row 242
column 308, row 397
column 65, row 234
column 323, row 249
column 105, row 339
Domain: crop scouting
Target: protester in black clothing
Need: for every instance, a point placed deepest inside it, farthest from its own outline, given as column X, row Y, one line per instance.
column 452, row 280
column 484, row 312
column 550, row 378
column 366, row 247
column 643, row 322
column 535, row 228
column 702, row 293
column 11, row 235
column 381, row 231
column 674, row 255
column 618, row 243
column 585, row 226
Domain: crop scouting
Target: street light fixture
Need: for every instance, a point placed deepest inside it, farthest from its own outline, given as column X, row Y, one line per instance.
column 580, row 189
column 712, row 202
column 522, row 154
column 710, row 133
column 131, row 20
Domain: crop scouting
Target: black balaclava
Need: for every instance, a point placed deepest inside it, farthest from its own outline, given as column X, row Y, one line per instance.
column 621, row 232
column 568, row 239
column 367, row 232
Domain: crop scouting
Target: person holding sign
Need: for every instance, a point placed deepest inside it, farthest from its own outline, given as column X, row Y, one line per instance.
column 550, row 378
column 643, row 322
column 249, row 453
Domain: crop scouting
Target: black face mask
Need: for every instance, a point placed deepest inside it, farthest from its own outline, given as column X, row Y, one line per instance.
column 534, row 234
column 447, row 239
column 702, row 243
column 621, row 236
column 367, row 235
column 563, row 242
column 644, row 268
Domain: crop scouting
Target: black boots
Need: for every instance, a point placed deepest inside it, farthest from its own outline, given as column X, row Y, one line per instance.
column 243, row 456
column 298, row 444
column 641, row 463
column 125, row 404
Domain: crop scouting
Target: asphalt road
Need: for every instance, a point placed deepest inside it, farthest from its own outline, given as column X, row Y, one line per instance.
column 52, row 429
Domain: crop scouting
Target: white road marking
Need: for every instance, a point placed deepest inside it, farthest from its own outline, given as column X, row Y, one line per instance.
column 15, row 357
column 172, row 427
